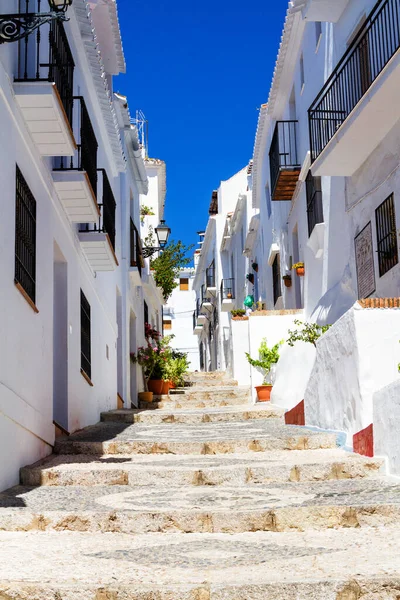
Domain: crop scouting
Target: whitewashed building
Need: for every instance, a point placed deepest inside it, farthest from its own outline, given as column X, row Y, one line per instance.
column 221, row 268
column 325, row 191
column 71, row 301
column 179, row 316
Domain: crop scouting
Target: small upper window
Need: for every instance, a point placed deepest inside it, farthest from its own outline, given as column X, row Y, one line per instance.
column 184, row 284
column 302, row 79
column 167, row 324
column 318, row 33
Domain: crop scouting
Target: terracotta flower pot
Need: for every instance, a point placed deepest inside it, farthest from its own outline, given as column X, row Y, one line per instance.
column 156, row 386
column 264, row 392
column 166, row 387
column 287, row 282
column 300, row 271
column 145, row 396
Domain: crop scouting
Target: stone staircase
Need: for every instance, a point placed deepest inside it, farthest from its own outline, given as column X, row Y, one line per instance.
column 201, row 498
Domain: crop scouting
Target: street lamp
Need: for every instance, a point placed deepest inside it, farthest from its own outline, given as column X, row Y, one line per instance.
column 162, row 231
column 14, row 27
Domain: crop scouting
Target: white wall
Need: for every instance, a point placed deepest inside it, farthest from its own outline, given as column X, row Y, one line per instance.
column 386, row 425
column 182, row 304
column 354, row 359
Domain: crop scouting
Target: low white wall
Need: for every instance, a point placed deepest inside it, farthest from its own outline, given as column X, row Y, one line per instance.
column 292, row 374
column 240, row 345
column 386, row 410
column 355, row 358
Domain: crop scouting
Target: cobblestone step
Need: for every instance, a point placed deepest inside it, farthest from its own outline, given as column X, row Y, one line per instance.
column 207, row 438
column 344, row 564
column 204, row 399
column 195, row 416
column 166, row 509
column 254, row 468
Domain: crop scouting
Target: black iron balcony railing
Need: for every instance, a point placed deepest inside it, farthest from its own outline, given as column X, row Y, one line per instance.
column 136, row 250
column 228, row 289
column 284, row 164
column 85, row 157
column 374, row 45
column 210, row 276
column 48, row 57
column 106, row 222
column 203, row 293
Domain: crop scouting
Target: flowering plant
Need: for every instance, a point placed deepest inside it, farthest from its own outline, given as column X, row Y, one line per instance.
column 154, row 356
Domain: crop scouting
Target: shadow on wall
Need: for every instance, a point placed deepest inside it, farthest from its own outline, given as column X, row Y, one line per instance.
column 336, row 302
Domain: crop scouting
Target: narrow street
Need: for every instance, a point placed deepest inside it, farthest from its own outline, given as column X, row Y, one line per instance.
column 201, row 497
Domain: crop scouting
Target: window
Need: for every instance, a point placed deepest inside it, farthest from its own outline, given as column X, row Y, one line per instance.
column 318, row 33
column 145, row 314
column 386, row 236
column 184, row 284
column 315, row 213
column 302, row 79
column 167, row 324
column 25, row 238
column 268, row 199
column 276, row 278
column 86, row 365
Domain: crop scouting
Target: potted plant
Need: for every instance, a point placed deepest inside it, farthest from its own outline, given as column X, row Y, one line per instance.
column 151, row 358
column 299, row 268
column 267, row 357
column 250, row 277
column 175, row 368
column 287, row 280
column 145, row 211
column 239, row 314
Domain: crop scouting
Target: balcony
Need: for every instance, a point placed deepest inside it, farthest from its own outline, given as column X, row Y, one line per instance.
column 75, row 178
column 206, row 304
column 328, row 11
column 197, row 328
column 284, row 165
column 44, row 89
column 227, row 294
column 358, row 105
column 98, row 240
column 137, row 261
column 201, row 318
column 211, row 289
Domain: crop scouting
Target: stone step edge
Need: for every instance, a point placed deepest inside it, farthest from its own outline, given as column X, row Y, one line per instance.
column 279, row 520
column 318, row 589
column 294, row 442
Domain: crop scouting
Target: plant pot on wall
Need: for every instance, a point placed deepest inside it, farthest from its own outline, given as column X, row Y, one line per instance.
column 299, row 268
column 166, row 387
column 287, row 280
column 250, row 277
column 264, row 392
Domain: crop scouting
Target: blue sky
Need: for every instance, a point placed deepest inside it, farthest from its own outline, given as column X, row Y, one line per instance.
column 199, row 71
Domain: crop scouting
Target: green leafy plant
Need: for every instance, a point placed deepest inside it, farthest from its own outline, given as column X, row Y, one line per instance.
column 149, row 240
column 266, row 358
column 168, row 264
column 175, row 369
column 145, row 211
column 307, row 332
column 238, row 312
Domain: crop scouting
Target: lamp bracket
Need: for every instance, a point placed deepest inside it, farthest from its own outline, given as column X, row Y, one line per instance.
column 14, row 27
column 149, row 251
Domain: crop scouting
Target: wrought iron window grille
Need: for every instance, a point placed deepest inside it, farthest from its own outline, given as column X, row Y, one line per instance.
column 25, row 237
column 386, row 234
column 315, row 213
column 86, row 351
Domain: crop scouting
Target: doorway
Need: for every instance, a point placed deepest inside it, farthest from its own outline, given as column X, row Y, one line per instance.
column 60, row 339
column 135, row 383
column 120, row 353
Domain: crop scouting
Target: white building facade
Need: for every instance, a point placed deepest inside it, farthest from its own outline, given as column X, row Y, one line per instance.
column 325, row 192
column 71, row 186
column 179, row 317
